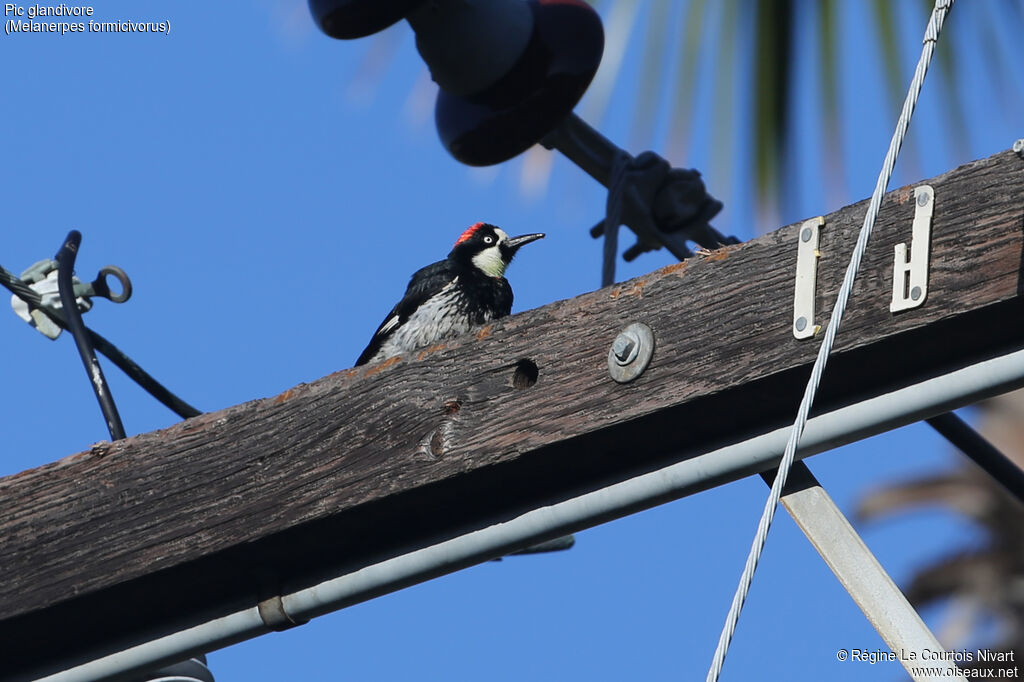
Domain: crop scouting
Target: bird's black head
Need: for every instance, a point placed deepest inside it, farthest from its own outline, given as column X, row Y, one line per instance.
column 487, row 248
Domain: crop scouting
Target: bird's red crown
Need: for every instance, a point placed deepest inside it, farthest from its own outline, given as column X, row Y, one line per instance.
column 468, row 234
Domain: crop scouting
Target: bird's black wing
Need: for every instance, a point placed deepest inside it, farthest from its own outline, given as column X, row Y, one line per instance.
column 424, row 283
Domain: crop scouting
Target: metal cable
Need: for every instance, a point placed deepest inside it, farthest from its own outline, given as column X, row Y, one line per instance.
column 123, row 362
column 142, row 377
column 931, row 35
column 65, row 266
column 20, row 289
column 613, row 216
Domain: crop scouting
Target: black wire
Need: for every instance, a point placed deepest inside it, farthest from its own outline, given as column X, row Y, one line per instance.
column 65, row 266
column 987, row 456
column 20, row 289
column 125, row 363
column 142, row 378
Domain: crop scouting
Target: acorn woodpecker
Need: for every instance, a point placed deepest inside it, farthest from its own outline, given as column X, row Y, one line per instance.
column 450, row 297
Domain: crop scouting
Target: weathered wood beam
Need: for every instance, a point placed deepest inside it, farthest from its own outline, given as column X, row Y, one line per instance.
column 219, row 511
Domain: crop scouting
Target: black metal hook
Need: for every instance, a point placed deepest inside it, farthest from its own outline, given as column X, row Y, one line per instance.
column 65, row 267
column 99, row 286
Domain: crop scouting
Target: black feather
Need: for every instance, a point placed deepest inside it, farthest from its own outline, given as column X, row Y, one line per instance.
column 423, row 284
column 482, row 297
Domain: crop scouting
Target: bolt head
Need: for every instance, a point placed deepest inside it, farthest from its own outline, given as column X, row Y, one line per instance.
column 805, row 234
column 624, row 347
column 923, row 198
column 630, row 352
column 1018, row 147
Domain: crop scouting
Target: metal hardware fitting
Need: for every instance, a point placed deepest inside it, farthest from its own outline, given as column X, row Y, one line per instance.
column 1018, row 147
column 663, row 206
column 275, row 617
column 41, row 277
column 631, row 352
column 807, row 255
column 910, row 275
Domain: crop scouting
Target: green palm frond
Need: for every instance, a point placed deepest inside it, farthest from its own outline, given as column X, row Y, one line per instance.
column 687, row 58
column 651, row 92
column 767, row 70
column 773, row 38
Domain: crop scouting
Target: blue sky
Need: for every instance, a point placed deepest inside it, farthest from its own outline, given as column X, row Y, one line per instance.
column 269, row 191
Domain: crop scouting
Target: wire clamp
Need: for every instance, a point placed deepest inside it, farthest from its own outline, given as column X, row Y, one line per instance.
column 910, row 274
column 41, row 277
column 662, row 205
column 276, row 617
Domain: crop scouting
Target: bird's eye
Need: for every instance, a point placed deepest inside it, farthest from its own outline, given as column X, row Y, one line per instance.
column 488, row 240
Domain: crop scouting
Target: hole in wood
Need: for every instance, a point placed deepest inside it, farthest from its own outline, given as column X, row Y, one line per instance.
column 436, row 444
column 525, row 374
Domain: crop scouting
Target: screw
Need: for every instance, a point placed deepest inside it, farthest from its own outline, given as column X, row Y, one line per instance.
column 923, row 198
column 805, row 235
column 1018, row 147
column 915, row 293
column 801, row 324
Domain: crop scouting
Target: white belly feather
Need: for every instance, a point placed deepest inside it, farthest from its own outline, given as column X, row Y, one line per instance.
column 437, row 319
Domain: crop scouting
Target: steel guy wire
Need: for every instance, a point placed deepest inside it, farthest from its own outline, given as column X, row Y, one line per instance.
column 938, row 16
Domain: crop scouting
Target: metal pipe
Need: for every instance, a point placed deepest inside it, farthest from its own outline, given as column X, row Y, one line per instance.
column 582, row 144
column 65, row 266
column 997, row 465
column 844, row 425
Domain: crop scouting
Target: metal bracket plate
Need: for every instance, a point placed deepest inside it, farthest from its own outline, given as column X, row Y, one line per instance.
column 910, row 275
column 807, row 255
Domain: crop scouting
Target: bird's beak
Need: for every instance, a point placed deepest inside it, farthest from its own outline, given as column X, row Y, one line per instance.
column 515, row 242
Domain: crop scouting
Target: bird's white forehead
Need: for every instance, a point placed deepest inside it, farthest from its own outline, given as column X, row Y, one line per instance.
column 502, row 235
